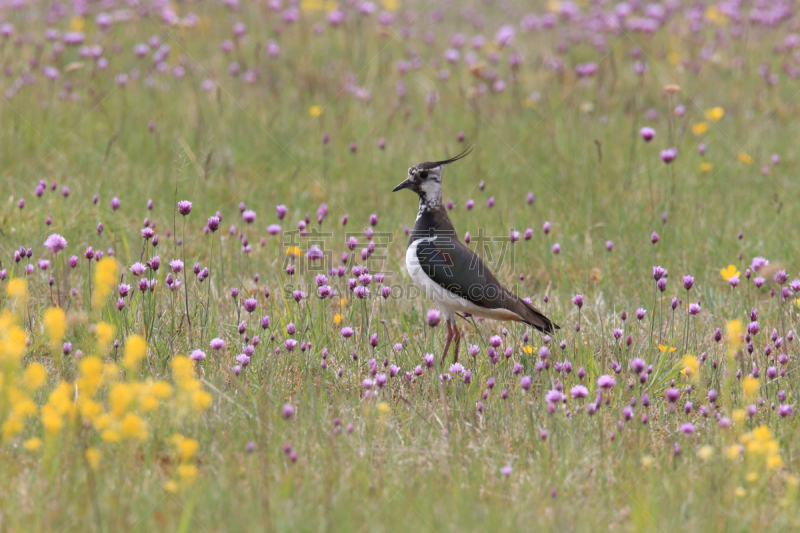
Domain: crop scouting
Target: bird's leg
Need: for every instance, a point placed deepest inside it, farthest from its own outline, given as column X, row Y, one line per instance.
column 447, row 342
column 457, row 332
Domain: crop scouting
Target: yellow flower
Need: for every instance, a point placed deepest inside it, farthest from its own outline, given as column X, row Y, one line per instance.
column 51, row 420
column 93, row 457
column 308, row 6
column 337, row 319
column 12, row 426
column 740, row 492
column 55, row 323
column 705, row 452
column 647, row 461
column 750, row 386
column 674, row 58
column 135, row 351
column 738, row 415
column 201, row 400
column 110, row 435
column 187, row 473
column 76, row 23
column 732, row 452
column 664, row 348
column 33, row 444
column 119, row 397
column 715, row 113
column 691, row 366
column 132, row 426
column 91, row 369
column 105, row 334
column 105, row 277
column 330, row 5
column 700, row 128
column 735, row 330
column 315, row 110
column 183, row 372
column 17, row 290
column 170, row 486
column 706, row 167
column 35, row 376
column 527, row 349
column 774, row 462
column 746, row 159
column 294, row 250
column 161, row 389
column 13, row 344
column 751, row 477
column 729, row 272
column 390, row 5
column 714, row 16
column 186, row 447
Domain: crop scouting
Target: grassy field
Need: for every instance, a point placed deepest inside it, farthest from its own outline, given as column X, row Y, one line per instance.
column 238, row 398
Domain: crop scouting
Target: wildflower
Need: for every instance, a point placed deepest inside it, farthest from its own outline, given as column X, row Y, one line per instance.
column 55, row 323
column 647, row 134
column 691, row 366
column 729, row 272
column 669, row 155
column 700, row 128
column 315, row 111
column 34, row 377
column 184, row 207
column 750, row 386
column 714, row 114
column 606, row 382
column 744, row 158
column 197, row 355
column 105, row 277
column 55, row 243
column 706, row 167
column 135, row 351
column 433, row 318
column 287, row 411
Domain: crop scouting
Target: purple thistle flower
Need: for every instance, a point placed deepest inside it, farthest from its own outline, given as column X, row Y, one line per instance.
column 669, row 155
column 184, row 207
column 433, row 318
column 198, row 355
column 55, row 243
column 606, row 382
column 647, row 134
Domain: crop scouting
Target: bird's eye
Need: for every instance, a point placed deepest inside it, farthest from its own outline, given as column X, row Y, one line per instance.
column 423, row 174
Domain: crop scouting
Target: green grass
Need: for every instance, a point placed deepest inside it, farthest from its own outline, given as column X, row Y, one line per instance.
column 420, row 456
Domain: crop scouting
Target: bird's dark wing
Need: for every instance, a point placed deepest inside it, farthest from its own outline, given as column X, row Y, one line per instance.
column 452, row 265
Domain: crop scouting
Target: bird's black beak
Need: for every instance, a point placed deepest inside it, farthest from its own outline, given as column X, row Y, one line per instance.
column 405, row 185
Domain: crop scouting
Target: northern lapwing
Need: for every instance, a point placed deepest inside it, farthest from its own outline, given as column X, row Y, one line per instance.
column 448, row 272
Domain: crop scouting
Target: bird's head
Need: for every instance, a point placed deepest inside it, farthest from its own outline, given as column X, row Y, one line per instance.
column 425, row 179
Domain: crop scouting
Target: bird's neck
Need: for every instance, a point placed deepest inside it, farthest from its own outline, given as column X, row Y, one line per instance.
column 429, row 201
column 432, row 222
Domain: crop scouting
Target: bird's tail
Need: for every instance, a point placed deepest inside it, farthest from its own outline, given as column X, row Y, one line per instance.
column 535, row 318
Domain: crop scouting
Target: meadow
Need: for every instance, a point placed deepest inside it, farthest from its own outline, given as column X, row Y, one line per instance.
column 207, row 324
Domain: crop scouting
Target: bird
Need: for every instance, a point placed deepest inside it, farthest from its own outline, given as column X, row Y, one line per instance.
column 447, row 271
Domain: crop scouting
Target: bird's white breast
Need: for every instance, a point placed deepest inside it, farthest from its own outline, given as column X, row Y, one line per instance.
column 446, row 301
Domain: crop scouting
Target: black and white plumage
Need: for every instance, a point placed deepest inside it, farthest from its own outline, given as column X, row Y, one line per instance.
column 448, row 272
